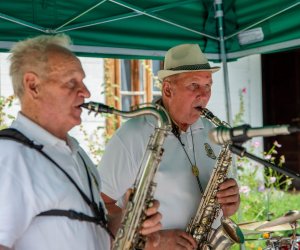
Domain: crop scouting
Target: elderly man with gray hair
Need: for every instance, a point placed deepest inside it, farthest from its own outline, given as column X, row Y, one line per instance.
column 50, row 189
column 189, row 156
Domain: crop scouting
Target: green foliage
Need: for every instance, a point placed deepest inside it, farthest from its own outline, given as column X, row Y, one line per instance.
column 264, row 193
column 156, row 82
column 238, row 118
column 267, row 204
column 93, row 142
column 5, row 117
column 256, row 205
column 273, row 178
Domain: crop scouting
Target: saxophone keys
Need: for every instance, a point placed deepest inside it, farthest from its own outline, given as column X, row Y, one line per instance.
column 198, row 231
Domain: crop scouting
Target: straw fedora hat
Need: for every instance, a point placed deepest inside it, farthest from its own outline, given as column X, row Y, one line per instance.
column 185, row 58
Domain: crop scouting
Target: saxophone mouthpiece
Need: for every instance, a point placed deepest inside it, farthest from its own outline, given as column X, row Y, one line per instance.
column 199, row 108
column 97, row 107
column 205, row 112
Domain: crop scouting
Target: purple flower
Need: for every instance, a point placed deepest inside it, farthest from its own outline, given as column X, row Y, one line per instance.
column 244, row 190
column 239, row 163
column 272, row 179
column 268, row 157
column 256, row 144
column 276, row 144
column 261, row 187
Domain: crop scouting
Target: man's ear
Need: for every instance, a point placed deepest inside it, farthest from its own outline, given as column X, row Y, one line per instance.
column 166, row 88
column 31, row 84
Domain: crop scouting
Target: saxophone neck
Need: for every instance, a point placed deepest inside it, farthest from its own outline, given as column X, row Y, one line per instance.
column 156, row 110
column 212, row 118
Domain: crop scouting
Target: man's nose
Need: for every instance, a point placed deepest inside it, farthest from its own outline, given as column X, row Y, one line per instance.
column 203, row 92
column 84, row 91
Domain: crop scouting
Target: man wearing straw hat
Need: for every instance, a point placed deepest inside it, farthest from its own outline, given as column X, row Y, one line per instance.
column 186, row 86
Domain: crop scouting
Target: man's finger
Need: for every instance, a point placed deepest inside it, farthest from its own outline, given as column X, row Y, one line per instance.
column 190, row 239
column 227, row 184
column 228, row 192
column 228, row 199
column 152, row 208
column 152, row 221
column 150, row 230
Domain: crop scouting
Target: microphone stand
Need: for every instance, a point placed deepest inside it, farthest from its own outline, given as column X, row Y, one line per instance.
column 242, row 152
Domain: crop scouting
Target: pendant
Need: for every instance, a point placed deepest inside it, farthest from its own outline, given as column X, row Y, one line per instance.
column 209, row 152
column 195, row 170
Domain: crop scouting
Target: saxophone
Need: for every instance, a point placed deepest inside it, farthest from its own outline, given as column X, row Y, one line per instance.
column 141, row 197
column 200, row 226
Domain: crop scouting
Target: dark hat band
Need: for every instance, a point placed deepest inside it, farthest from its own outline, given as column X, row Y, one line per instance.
column 192, row 67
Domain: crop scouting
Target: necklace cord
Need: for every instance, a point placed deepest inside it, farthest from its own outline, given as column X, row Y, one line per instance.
column 176, row 132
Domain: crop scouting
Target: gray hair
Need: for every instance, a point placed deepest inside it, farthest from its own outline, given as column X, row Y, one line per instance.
column 31, row 55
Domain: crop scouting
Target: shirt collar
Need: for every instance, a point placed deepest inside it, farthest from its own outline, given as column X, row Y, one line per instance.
column 197, row 125
column 41, row 136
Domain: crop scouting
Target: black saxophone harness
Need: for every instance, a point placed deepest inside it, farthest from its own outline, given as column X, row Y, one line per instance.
column 99, row 217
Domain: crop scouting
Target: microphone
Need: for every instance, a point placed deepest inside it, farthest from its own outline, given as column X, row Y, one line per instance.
column 221, row 135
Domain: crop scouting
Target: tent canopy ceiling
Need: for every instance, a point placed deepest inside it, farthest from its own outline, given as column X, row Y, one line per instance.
column 146, row 29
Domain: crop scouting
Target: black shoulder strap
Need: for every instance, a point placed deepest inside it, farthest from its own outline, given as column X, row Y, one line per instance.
column 99, row 218
column 16, row 135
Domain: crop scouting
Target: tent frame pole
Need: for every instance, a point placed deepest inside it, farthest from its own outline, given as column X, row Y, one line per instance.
column 24, row 23
column 219, row 14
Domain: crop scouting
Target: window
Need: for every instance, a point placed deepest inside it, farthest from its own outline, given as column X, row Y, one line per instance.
column 130, row 83
column 138, row 82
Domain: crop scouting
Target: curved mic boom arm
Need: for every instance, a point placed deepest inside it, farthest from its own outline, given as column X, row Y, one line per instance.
column 241, row 151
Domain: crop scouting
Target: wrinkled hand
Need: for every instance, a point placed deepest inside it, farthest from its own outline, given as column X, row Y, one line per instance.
column 228, row 197
column 152, row 223
column 173, row 239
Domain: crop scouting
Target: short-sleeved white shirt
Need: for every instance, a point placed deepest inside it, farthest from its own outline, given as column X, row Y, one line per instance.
column 177, row 189
column 31, row 184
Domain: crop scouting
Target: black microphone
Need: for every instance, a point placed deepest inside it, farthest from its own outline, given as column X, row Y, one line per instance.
column 240, row 134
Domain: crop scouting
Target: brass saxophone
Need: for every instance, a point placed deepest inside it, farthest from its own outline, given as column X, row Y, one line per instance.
column 200, row 226
column 141, row 197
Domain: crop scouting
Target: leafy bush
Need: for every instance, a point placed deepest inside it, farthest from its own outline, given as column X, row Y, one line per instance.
column 264, row 192
column 6, row 117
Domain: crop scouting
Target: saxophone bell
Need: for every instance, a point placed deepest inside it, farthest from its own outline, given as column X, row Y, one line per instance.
column 225, row 235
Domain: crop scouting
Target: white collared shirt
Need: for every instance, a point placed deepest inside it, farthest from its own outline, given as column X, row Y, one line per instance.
column 177, row 189
column 31, row 184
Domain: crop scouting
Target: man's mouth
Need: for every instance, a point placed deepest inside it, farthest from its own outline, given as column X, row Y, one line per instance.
column 198, row 108
column 78, row 106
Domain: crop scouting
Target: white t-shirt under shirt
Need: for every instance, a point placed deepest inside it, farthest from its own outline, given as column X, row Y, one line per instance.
column 177, row 189
column 31, row 184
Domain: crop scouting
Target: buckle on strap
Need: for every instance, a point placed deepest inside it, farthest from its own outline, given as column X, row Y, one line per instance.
column 75, row 215
column 71, row 214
